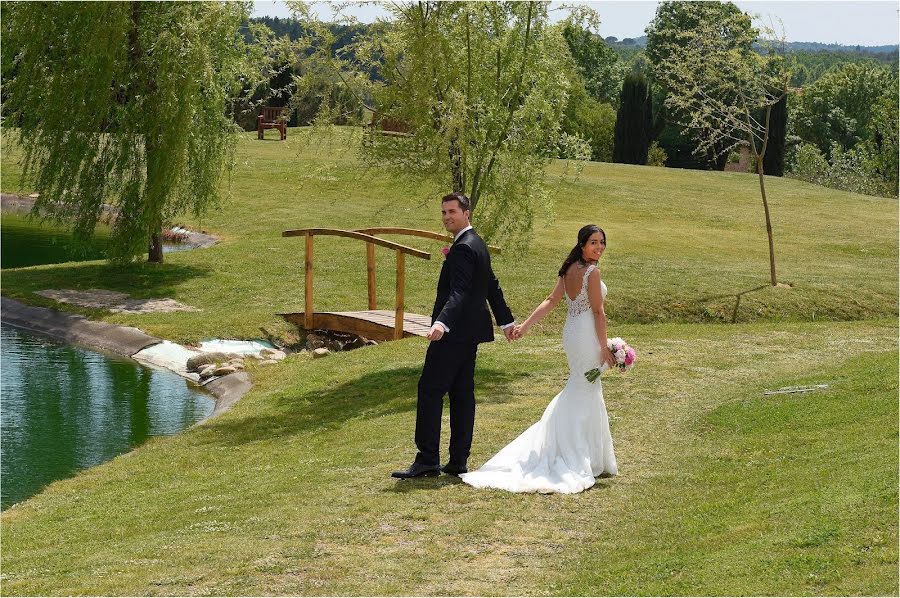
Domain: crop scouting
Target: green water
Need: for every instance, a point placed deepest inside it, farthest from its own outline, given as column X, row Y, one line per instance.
column 64, row 408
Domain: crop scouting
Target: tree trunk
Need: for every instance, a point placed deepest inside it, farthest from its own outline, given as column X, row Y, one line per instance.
column 154, row 199
column 760, row 169
column 762, row 190
column 156, row 249
column 456, row 167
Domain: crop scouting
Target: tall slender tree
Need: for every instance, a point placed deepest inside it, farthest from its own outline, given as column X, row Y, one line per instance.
column 633, row 121
column 720, row 89
column 123, row 103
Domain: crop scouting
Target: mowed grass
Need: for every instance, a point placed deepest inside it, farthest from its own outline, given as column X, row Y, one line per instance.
column 682, row 246
column 722, row 490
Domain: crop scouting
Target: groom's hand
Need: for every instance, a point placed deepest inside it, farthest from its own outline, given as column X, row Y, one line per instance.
column 510, row 333
column 436, row 332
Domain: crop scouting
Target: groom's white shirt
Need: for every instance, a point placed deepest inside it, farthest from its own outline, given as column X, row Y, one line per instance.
column 444, row 326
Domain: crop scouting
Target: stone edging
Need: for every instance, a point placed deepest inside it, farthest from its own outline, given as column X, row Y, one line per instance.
column 122, row 340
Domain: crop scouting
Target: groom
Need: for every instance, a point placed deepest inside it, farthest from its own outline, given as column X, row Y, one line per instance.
column 460, row 321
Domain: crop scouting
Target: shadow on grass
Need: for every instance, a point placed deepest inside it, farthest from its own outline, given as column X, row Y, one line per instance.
column 737, row 296
column 27, row 242
column 423, row 484
column 373, row 395
column 140, row 280
column 604, row 482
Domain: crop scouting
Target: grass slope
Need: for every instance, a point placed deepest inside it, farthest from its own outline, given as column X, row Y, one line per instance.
column 722, row 490
column 682, row 246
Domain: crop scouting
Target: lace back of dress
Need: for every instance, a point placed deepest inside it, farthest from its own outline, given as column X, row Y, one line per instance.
column 581, row 303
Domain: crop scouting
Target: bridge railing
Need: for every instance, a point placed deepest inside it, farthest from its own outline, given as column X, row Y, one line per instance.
column 368, row 236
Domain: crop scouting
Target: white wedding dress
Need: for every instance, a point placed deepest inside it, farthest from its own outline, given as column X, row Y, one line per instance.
column 571, row 444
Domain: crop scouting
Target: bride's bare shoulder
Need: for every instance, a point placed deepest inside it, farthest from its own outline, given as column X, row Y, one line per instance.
column 576, row 270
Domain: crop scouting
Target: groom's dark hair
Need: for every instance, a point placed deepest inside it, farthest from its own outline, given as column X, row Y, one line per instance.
column 464, row 204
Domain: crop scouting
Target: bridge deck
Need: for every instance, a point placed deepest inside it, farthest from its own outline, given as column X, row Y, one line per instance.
column 374, row 324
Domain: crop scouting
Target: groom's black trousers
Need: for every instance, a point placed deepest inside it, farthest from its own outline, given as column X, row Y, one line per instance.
column 449, row 368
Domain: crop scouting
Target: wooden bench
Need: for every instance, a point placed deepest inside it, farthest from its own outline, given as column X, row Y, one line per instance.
column 388, row 126
column 272, row 118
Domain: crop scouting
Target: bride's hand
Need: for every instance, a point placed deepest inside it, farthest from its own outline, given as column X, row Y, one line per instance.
column 519, row 331
column 607, row 357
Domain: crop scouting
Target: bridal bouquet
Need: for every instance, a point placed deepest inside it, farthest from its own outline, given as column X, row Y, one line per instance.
column 623, row 354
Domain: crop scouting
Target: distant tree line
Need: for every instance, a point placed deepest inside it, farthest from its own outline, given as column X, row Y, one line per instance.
column 480, row 96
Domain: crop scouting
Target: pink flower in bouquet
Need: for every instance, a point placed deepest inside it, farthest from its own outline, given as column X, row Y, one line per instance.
column 629, row 356
column 445, row 250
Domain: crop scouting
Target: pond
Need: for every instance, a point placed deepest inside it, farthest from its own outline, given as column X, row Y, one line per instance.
column 64, row 408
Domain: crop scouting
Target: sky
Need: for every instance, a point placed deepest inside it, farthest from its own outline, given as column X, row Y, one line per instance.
column 864, row 23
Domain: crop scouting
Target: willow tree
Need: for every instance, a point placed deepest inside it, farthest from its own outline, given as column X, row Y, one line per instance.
column 122, row 103
column 723, row 88
column 475, row 92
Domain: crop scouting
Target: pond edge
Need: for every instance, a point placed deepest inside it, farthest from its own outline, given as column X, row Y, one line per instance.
column 121, row 340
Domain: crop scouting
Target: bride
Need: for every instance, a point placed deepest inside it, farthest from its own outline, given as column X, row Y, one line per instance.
column 571, row 445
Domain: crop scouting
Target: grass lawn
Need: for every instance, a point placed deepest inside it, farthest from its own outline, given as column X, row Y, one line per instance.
column 722, row 490
column 26, row 242
column 682, row 245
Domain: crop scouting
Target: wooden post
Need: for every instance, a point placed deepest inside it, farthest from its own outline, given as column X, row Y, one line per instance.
column 401, row 283
column 370, row 269
column 308, row 298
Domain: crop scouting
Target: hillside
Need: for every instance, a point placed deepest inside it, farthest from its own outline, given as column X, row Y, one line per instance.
column 682, row 246
column 722, row 489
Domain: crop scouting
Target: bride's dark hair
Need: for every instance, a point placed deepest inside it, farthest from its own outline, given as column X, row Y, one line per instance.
column 575, row 255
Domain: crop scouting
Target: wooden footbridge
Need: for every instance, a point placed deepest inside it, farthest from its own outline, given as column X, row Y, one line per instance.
column 373, row 323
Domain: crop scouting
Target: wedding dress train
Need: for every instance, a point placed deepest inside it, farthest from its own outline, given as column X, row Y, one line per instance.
column 571, row 444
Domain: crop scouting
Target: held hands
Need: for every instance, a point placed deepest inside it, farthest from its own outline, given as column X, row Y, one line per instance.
column 518, row 331
column 512, row 333
column 436, row 332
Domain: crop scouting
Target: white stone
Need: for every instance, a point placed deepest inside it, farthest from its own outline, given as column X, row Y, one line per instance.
column 321, row 352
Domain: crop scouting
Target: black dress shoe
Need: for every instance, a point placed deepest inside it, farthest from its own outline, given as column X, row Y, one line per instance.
column 417, row 470
column 452, row 469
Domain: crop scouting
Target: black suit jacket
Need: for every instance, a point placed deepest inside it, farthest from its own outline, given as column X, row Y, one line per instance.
column 467, row 283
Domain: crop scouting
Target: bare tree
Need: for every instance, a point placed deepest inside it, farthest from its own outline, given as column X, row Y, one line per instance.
column 726, row 91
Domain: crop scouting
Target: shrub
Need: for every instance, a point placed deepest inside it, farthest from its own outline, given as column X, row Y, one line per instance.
column 807, row 163
column 854, row 170
column 656, row 156
column 573, row 147
column 593, row 122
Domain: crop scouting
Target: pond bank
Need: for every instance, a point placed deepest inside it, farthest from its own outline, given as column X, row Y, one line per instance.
column 187, row 239
column 122, row 340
